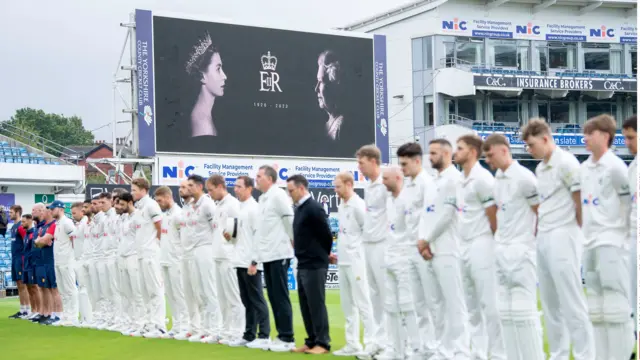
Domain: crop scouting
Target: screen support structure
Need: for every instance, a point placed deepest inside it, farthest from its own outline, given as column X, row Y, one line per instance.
column 126, row 73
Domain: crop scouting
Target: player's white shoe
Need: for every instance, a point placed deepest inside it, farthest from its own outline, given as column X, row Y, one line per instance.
column 224, row 341
column 154, row 334
column 388, row 355
column 184, row 335
column 210, row 339
column 348, row 351
column 278, row 345
column 263, row 344
column 195, row 338
column 238, row 343
column 138, row 333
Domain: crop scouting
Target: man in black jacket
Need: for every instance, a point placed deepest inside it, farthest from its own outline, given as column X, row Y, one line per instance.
column 312, row 242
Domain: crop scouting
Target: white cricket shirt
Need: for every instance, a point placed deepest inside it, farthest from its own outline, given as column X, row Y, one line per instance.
column 275, row 226
column 63, row 253
column 244, row 241
column 633, row 188
column 147, row 213
column 415, row 191
column 439, row 208
column 557, row 180
column 111, row 228
column 79, row 239
column 127, row 245
column 184, row 230
column 401, row 245
column 475, row 194
column 351, row 215
column 228, row 207
column 605, row 201
column 515, row 192
column 98, row 235
column 170, row 243
column 199, row 224
column 377, row 200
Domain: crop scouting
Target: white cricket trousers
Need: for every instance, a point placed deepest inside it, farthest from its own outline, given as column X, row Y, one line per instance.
column 82, row 277
column 518, row 300
column 423, row 290
column 606, row 274
column 201, row 291
column 374, row 255
column 109, row 274
column 172, row 275
column 95, row 292
column 231, row 307
column 564, row 306
column 66, row 280
column 633, row 285
column 131, row 289
column 447, row 304
column 356, row 304
column 153, row 293
column 479, row 281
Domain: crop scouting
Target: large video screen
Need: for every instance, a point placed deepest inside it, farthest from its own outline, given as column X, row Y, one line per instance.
column 232, row 89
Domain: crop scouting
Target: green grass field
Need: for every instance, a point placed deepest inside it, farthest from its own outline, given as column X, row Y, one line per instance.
column 31, row 341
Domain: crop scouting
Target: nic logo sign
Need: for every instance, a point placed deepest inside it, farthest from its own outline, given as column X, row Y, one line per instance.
column 177, row 172
column 528, row 29
column 455, row 25
column 602, row 32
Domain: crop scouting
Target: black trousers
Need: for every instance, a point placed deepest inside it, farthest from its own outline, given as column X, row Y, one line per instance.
column 275, row 278
column 256, row 310
column 311, row 292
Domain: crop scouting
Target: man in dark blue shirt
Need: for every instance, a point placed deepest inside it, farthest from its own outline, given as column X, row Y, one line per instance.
column 28, row 273
column 34, row 258
column 17, row 260
column 45, row 270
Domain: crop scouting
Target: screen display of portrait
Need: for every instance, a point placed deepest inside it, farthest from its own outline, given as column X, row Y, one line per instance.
column 223, row 88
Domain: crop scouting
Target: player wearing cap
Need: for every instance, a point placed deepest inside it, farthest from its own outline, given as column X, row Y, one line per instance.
column 17, row 260
column 171, row 253
column 438, row 243
column 375, row 239
column 227, row 282
column 148, row 223
column 559, row 245
column 516, row 196
column 354, row 288
column 605, row 205
column 630, row 132
column 477, row 224
column 64, row 259
column 45, row 269
column 79, row 238
column 199, row 279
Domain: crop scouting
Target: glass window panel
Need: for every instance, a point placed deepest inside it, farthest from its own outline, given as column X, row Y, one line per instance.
column 505, row 55
column 543, row 110
column 427, row 52
column 599, row 108
column 450, row 53
column 596, row 57
column 523, row 58
column 559, row 112
column 542, row 55
column 467, row 108
column 468, row 53
column 634, row 62
column 428, row 114
column 416, row 54
column 418, row 86
column 506, row 111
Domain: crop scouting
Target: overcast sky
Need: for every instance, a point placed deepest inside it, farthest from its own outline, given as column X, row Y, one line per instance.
column 60, row 56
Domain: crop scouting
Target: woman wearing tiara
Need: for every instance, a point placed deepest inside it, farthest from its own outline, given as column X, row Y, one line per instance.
column 205, row 65
column 330, row 91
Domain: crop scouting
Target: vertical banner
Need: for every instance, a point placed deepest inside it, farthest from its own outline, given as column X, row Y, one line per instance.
column 144, row 63
column 381, row 103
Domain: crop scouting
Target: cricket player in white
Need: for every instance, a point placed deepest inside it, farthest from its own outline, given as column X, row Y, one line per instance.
column 96, row 258
column 402, row 321
column 130, row 279
column 559, row 246
column 121, row 321
column 477, row 224
column 148, row 222
column 354, row 288
column 605, row 205
column 226, row 279
column 375, row 239
column 630, row 132
column 108, row 267
column 199, row 279
column 170, row 259
column 517, row 199
column 438, row 243
column 81, row 212
column 64, row 258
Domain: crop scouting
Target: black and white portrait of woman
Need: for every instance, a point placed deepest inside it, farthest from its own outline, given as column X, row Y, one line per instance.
column 205, row 67
column 331, row 92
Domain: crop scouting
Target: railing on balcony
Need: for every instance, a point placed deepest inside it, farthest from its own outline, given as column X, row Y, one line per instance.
column 36, row 146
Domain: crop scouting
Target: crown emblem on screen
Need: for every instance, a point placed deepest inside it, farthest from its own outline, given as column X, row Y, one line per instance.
column 198, row 50
column 269, row 62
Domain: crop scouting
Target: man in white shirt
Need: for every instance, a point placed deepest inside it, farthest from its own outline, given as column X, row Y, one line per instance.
column 243, row 235
column 130, row 279
column 375, row 239
column 354, row 288
column 438, row 242
column 605, row 207
column 80, row 237
column 274, row 249
column 630, row 132
column 148, row 223
column 477, row 224
column 517, row 199
column 64, row 258
column 559, row 245
column 226, row 279
column 170, row 259
column 96, row 264
column 108, row 266
column 199, row 279
column 402, row 322
column 120, row 321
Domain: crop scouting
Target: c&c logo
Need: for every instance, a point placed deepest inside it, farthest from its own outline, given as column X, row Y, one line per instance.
column 495, row 81
column 602, row 32
column 528, row 29
column 177, row 172
column 455, row 25
column 590, row 200
column 613, row 85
